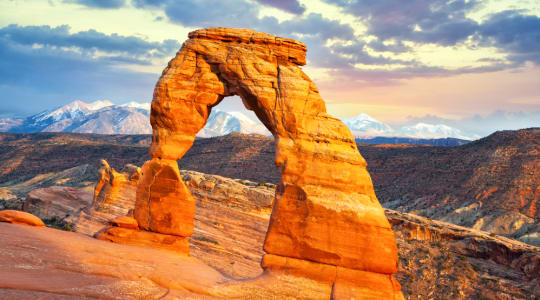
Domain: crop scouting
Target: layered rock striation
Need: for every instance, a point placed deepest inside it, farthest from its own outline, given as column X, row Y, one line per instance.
column 114, row 195
column 325, row 210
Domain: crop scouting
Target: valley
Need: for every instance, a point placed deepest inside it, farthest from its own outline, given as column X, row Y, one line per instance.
column 492, row 184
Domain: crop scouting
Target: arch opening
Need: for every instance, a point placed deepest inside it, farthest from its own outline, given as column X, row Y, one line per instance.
column 230, row 115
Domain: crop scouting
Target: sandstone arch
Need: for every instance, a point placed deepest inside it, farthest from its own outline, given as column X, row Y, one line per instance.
column 326, row 211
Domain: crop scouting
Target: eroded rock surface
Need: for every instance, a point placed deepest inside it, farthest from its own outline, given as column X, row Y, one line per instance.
column 114, row 196
column 230, row 222
column 326, row 210
column 57, row 202
column 164, row 204
column 437, row 260
column 20, row 217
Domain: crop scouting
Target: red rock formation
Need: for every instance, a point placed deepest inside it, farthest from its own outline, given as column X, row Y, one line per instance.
column 437, row 260
column 20, row 217
column 110, row 186
column 60, row 202
column 164, row 204
column 135, row 237
column 125, row 222
column 325, row 211
column 114, row 196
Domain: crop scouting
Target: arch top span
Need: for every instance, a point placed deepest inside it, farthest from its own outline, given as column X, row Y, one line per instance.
column 325, row 209
column 289, row 49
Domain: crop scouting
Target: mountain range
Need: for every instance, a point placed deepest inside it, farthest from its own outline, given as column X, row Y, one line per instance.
column 104, row 117
column 97, row 117
column 365, row 126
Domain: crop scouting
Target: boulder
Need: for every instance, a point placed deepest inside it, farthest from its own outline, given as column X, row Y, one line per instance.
column 164, row 204
column 20, row 217
column 58, row 202
column 125, row 222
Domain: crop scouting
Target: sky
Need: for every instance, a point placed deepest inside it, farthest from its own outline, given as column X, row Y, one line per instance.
column 473, row 65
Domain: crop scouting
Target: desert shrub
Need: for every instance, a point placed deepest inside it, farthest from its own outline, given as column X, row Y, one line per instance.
column 68, row 227
column 205, row 239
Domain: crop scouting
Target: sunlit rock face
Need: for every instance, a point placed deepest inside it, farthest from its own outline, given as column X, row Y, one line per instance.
column 325, row 210
column 20, row 217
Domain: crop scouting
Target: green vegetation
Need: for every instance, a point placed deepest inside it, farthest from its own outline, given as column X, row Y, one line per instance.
column 205, row 239
column 58, row 223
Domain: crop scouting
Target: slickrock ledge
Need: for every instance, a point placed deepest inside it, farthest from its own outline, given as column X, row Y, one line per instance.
column 438, row 260
column 20, row 217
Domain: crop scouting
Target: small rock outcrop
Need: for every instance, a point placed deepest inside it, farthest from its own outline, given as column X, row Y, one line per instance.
column 57, row 202
column 20, row 217
column 326, row 214
column 114, row 196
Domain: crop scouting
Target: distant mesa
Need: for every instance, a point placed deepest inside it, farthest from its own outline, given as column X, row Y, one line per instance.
column 382, row 140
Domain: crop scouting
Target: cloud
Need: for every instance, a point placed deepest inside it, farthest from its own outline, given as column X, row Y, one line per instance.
column 99, row 3
column 396, row 47
column 313, row 29
column 446, row 23
column 442, row 22
column 229, row 8
column 514, row 33
column 335, row 45
column 291, row 6
column 206, row 13
column 332, row 45
column 88, row 41
column 46, row 66
column 241, row 13
column 312, row 24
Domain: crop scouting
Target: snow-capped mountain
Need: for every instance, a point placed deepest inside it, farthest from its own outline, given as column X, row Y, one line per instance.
column 144, row 106
column 364, row 125
column 72, row 111
column 430, row 131
column 221, row 123
column 97, row 117
column 104, row 117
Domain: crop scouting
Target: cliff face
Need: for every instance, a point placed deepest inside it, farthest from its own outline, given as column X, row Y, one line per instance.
column 492, row 184
column 438, row 260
